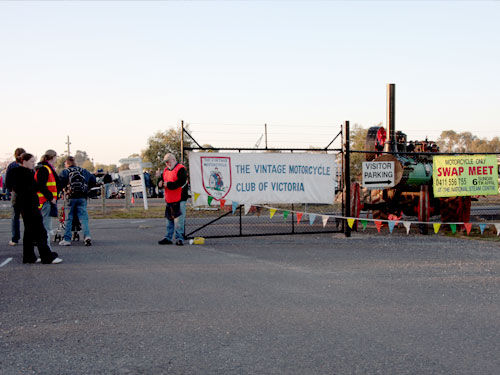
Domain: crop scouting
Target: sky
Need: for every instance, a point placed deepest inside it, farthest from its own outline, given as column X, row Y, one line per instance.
column 111, row 74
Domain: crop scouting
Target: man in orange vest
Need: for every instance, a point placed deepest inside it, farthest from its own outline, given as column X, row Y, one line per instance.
column 174, row 180
column 48, row 187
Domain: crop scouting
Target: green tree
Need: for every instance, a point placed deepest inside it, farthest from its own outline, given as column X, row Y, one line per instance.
column 357, row 142
column 162, row 143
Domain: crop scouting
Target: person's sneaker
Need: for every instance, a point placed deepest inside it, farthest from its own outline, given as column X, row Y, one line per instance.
column 165, row 241
column 12, row 243
column 88, row 241
column 56, row 260
column 179, row 243
column 65, row 243
column 38, row 260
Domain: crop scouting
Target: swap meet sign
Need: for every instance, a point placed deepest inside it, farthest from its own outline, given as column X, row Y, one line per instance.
column 465, row 175
column 264, row 177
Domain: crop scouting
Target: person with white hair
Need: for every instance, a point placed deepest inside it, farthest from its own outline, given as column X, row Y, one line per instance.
column 174, row 180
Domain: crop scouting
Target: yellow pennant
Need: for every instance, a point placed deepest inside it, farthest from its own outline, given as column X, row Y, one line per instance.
column 272, row 211
column 350, row 222
column 436, row 227
column 196, row 195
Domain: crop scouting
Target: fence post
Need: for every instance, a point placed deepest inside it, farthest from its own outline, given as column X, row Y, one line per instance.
column 127, row 197
column 103, row 198
column 347, row 178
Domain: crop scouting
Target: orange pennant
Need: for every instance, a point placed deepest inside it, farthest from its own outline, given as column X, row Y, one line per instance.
column 378, row 224
column 222, row 203
column 468, row 227
column 299, row 216
column 132, row 200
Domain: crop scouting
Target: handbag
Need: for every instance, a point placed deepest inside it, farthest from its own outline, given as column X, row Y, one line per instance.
column 53, row 210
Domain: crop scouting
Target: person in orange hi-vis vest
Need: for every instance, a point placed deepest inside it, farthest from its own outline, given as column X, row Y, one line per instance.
column 174, row 180
column 48, row 186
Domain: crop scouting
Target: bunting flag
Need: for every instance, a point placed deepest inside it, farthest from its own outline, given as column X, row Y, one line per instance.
column 285, row 214
column 378, row 224
column 497, row 227
column 350, row 222
column 222, row 203
column 235, row 206
column 132, row 200
column 407, row 225
column 468, row 227
column 247, row 207
column 312, row 217
column 272, row 211
column 196, row 195
column 299, row 216
column 363, row 223
column 325, row 219
column 391, row 223
column 436, row 227
column 453, row 228
column 482, row 227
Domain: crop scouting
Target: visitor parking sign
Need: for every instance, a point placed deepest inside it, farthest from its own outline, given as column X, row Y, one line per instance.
column 378, row 174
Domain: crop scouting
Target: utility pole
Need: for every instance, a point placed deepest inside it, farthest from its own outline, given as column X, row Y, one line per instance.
column 182, row 141
column 68, row 143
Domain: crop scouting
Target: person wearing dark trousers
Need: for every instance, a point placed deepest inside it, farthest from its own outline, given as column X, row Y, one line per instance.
column 21, row 181
column 16, row 214
column 174, row 180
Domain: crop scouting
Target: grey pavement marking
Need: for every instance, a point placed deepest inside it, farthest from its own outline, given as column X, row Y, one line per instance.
column 6, row 261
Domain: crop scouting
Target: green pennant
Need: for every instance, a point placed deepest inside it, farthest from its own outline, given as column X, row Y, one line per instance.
column 285, row 214
column 210, row 199
column 363, row 223
column 453, row 228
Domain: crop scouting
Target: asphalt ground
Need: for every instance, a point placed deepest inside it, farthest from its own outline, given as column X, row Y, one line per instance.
column 305, row 304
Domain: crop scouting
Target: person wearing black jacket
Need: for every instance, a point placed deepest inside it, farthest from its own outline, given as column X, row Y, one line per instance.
column 16, row 214
column 21, row 180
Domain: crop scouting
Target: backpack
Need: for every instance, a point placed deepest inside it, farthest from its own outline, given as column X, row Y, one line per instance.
column 77, row 182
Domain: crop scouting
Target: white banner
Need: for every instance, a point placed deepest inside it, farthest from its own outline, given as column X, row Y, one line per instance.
column 263, row 177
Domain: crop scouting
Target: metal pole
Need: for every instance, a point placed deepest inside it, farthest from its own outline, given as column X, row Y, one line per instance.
column 391, row 118
column 265, row 133
column 182, row 141
column 241, row 225
column 103, row 198
column 68, row 143
column 347, row 178
column 293, row 221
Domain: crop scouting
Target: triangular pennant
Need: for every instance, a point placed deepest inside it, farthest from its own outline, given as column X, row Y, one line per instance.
column 482, row 227
column 132, row 200
column 436, row 227
column 497, row 227
column 378, row 224
column 312, row 217
column 247, row 208
column 299, row 216
column 325, row 219
column 210, row 199
column 468, row 227
column 407, row 225
column 350, row 222
column 235, row 206
column 272, row 211
column 222, row 203
column 285, row 214
column 391, row 225
column 196, row 195
column 453, row 228
column 363, row 223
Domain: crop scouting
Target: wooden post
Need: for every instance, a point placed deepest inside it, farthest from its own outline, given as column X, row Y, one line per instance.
column 127, row 197
column 391, row 118
column 182, row 141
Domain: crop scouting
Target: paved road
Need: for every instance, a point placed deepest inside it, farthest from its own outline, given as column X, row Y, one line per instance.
column 310, row 304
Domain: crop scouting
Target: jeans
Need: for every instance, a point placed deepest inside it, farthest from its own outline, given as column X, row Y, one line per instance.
column 177, row 225
column 15, row 225
column 78, row 205
column 47, row 219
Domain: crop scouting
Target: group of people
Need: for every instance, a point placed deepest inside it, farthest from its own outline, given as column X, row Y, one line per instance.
column 35, row 191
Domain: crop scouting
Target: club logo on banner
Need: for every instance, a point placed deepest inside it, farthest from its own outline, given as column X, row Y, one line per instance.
column 216, row 175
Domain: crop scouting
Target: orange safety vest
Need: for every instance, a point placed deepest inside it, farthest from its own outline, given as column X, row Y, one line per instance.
column 172, row 196
column 51, row 185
